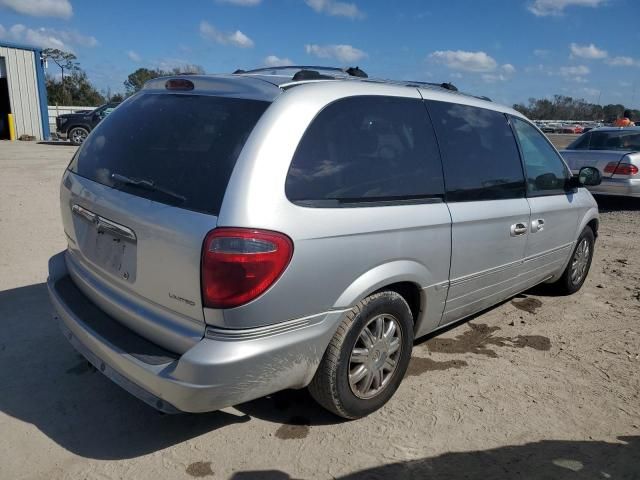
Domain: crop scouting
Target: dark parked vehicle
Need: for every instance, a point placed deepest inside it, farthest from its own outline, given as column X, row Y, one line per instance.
column 76, row 126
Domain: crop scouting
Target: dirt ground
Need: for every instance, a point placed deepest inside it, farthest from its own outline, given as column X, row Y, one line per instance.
column 540, row 387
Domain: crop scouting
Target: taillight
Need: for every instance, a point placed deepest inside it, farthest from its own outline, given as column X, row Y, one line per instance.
column 621, row 168
column 240, row 264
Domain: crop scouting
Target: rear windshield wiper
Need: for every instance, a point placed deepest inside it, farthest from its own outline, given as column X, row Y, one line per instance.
column 147, row 184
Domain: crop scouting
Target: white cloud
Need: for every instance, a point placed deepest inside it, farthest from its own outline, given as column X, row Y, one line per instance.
column 456, row 75
column 493, row 77
column 342, row 53
column 335, row 8
column 40, row 8
column 578, row 70
column 467, row 61
column 587, row 51
column 237, row 38
column 543, row 8
column 47, row 37
column 274, row 61
column 133, row 56
column 592, row 92
column 539, row 52
column 623, row 62
column 508, row 69
column 241, row 3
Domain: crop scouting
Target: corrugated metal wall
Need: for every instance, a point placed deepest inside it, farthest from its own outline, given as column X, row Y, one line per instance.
column 23, row 90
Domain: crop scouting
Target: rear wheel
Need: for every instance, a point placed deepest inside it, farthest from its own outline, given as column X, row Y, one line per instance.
column 577, row 270
column 77, row 135
column 367, row 357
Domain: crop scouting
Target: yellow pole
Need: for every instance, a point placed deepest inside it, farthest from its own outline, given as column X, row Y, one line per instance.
column 12, row 127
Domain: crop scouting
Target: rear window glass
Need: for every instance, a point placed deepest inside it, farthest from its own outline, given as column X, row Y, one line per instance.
column 615, row 140
column 479, row 153
column 171, row 148
column 580, row 143
column 366, row 149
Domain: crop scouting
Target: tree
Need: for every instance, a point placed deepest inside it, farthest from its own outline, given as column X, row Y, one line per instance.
column 76, row 89
column 568, row 108
column 136, row 80
column 64, row 60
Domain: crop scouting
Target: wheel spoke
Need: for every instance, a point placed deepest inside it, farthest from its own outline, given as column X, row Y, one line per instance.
column 394, row 345
column 378, row 377
column 359, row 355
column 379, row 327
column 367, row 338
column 366, row 383
column 358, row 375
column 389, row 364
column 390, row 330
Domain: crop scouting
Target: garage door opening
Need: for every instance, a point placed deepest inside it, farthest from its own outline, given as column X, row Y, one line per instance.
column 5, row 105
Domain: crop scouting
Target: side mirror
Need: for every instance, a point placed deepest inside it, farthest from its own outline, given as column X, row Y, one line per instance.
column 589, row 176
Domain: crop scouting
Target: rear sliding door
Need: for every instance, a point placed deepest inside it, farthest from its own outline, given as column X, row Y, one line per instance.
column 485, row 192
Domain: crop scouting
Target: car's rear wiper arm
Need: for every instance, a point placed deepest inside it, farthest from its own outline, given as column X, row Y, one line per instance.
column 147, row 184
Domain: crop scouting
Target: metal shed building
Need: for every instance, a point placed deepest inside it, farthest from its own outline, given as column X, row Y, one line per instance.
column 23, row 92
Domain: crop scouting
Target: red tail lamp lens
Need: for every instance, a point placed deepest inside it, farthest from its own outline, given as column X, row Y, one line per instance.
column 621, row 168
column 239, row 265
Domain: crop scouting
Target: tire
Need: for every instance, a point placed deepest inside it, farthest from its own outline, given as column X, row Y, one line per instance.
column 331, row 386
column 77, row 135
column 571, row 280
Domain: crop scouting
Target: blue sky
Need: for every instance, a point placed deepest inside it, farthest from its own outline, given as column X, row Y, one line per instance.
column 509, row 50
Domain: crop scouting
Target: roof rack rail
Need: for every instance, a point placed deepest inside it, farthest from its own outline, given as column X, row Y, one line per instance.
column 351, row 71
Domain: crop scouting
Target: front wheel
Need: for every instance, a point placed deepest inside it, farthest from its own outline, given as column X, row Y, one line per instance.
column 577, row 270
column 367, row 357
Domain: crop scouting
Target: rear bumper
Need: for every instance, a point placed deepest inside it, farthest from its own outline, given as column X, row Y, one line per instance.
column 626, row 187
column 229, row 368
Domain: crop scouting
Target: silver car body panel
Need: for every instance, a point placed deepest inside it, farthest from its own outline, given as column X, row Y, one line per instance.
column 612, row 184
column 161, row 300
column 461, row 258
column 480, row 276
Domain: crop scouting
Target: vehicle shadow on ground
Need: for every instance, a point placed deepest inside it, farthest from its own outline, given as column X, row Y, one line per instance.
column 617, row 204
column 546, row 460
column 58, row 143
column 43, row 381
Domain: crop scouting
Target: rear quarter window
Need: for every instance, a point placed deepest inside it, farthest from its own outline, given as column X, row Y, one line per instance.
column 366, row 149
column 185, row 145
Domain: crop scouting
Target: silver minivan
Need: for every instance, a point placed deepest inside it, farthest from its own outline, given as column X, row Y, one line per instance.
column 230, row 236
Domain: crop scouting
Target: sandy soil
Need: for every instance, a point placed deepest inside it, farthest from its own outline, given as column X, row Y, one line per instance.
column 539, row 387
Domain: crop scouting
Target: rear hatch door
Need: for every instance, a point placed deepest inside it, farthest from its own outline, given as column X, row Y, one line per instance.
column 138, row 199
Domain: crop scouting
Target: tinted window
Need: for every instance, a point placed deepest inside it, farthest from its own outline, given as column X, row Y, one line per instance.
column 580, row 143
column 479, row 153
column 545, row 170
column 366, row 148
column 615, row 140
column 187, row 145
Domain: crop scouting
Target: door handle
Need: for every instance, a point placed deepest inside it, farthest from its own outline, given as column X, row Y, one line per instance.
column 537, row 225
column 518, row 229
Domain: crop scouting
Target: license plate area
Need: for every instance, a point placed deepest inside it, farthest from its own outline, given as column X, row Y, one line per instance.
column 107, row 244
